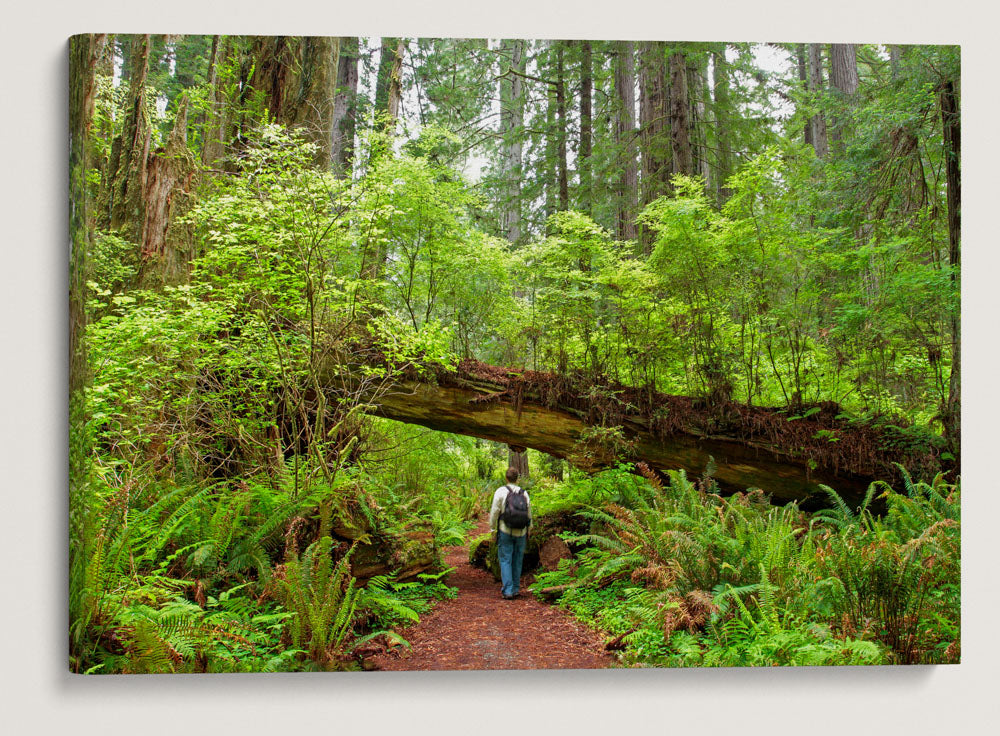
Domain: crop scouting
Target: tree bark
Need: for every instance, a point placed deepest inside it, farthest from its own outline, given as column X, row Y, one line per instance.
column 951, row 125
column 170, row 175
column 844, row 79
column 801, row 57
column 563, row 433
column 629, row 189
column 818, row 122
column 654, row 128
column 212, row 121
column 723, row 114
column 698, row 73
column 583, row 163
column 272, row 74
column 511, row 127
column 680, row 141
column 130, row 151
column 844, row 67
column 314, row 105
column 895, row 58
column 85, row 51
column 388, row 87
column 517, row 458
column 561, row 134
column 345, row 107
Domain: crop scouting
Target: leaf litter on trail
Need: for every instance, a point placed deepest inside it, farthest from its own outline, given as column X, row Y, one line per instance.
column 478, row 630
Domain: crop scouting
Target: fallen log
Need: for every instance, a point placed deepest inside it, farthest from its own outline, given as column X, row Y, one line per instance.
column 738, row 465
column 596, row 425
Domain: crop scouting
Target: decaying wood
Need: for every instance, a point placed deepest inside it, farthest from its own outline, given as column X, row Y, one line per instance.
column 745, row 447
column 564, row 434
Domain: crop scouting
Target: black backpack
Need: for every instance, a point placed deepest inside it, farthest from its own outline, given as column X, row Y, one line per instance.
column 515, row 512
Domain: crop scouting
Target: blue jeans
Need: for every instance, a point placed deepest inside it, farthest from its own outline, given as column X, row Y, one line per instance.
column 510, row 551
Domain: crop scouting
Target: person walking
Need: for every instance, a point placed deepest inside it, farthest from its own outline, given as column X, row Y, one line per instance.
column 510, row 517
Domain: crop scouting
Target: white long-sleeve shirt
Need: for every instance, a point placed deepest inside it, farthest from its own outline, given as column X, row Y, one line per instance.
column 497, row 508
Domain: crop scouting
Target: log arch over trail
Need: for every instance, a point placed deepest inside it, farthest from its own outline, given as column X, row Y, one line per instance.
column 565, row 416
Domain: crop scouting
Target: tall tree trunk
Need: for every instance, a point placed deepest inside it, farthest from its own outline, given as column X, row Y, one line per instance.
column 314, row 105
column 654, row 127
column 844, row 79
column 951, row 124
column 272, row 74
column 517, row 458
column 697, row 86
column 550, row 169
column 561, row 126
column 844, row 67
column 680, row 141
column 895, row 57
column 388, row 85
column 629, row 190
column 511, row 132
column 583, row 163
column 396, row 83
column 130, row 151
column 345, row 107
column 164, row 244
column 213, row 120
column 723, row 115
column 802, row 58
column 818, row 122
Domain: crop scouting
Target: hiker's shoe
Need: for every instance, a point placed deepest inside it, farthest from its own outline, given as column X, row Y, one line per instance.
column 508, row 597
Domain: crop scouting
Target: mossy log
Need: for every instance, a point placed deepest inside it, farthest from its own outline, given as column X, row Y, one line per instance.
column 595, row 424
column 407, row 554
column 738, row 464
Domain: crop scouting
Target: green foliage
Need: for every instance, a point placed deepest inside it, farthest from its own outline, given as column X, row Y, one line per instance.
column 680, row 577
column 322, row 596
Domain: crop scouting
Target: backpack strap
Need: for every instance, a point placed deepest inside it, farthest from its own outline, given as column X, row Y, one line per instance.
column 503, row 507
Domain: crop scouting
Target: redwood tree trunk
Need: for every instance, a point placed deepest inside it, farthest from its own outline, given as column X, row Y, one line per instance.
column 951, row 124
column 345, row 107
column 844, row 79
column 654, row 126
column 170, row 172
column 561, row 127
column 818, row 122
column 130, row 151
column 511, row 126
column 723, row 113
column 629, row 187
column 314, row 105
column 517, row 458
column 388, row 85
column 272, row 73
column 680, row 141
column 801, row 58
column 583, row 163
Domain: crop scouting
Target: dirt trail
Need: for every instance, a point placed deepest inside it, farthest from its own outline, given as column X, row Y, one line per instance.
column 478, row 630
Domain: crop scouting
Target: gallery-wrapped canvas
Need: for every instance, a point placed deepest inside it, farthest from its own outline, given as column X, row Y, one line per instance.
column 465, row 353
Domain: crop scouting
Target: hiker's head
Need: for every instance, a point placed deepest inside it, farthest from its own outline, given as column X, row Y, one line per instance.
column 511, row 475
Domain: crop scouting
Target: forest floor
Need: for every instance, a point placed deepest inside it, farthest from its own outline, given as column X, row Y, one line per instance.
column 479, row 630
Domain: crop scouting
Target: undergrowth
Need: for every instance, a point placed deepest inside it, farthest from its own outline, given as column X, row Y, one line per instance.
column 677, row 575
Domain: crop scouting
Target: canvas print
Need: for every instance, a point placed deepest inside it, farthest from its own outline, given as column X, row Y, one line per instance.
column 466, row 353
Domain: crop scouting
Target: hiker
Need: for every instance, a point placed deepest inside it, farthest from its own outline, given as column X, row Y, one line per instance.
column 510, row 517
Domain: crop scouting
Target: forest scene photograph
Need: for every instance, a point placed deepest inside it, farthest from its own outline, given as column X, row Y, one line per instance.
column 431, row 353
